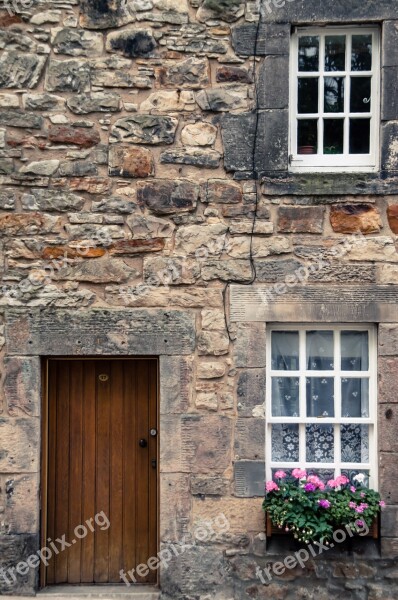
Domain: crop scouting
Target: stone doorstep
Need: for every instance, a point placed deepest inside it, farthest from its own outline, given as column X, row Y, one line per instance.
column 94, row 592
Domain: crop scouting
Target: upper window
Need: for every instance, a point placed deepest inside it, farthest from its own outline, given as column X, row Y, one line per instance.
column 321, row 400
column 334, row 99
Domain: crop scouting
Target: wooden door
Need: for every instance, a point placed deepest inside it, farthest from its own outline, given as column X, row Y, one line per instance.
column 101, row 466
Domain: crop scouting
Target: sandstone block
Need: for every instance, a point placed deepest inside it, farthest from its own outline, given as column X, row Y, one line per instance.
column 388, row 422
column 130, row 161
column 250, row 391
column 79, row 136
column 293, row 219
column 68, row 76
column 227, row 270
column 263, row 247
column 392, row 214
column 42, row 167
column 226, row 10
column 388, row 340
column 22, row 382
column 206, row 443
column 192, row 73
column 212, row 343
column 355, row 218
column 131, row 247
column 170, row 271
column 250, row 438
column 76, row 42
column 147, row 227
column 210, row 370
column 20, row 70
column 206, row 401
column 388, row 376
column 168, row 101
column 19, row 118
column 222, row 192
column 107, row 16
column 378, row 249
column 83, row 104
column 98, row 270
column 199, row 134
column 242, row 514
column 174, row 488
column 388, row 468
column 21, row 503
column 115, row 204
column 222, row 99
column 28, row 224
column 249, row 346
column 21, row 445
column 208, row 485
column 204, row 159
column 201, row 240
column 149, row 296
column 51, row 200
column 131, row 42
column 213, row 319
column 176, row 373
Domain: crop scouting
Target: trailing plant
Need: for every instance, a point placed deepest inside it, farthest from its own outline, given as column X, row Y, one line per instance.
column 312, row 510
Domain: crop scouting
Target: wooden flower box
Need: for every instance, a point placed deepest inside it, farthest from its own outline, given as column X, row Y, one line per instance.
column 271, row 529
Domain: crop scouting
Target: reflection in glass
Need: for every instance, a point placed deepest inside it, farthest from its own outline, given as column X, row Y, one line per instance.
column 361, row 57
column 354, row 443
column 359, row 136
column 319, row 443
column 335, row 52
column 355, row 397
column 320, row 396
column 354, row 351
column 319, row 350
column 309, row 53
column 285, row 397
column 307, row 95
column 307, row 136
column 285, row 351
column 333, row 140
column 334, row 94
column 285, row 443
column 360, row 94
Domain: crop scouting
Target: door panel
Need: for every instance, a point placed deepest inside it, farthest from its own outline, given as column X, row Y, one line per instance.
column 98, row 410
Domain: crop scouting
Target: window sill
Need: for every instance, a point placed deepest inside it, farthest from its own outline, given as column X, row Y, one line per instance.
column 271, row 529
column 279, row 183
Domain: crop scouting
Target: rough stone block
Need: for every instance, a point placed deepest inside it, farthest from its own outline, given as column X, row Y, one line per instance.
column 202, row 241
column 389, row 522
column 389, row 549
column 199, row 134
column 243, row 515
column 388, row 427
column 271, row 271
column 22, row 382
column 388, row 340
column 272, row 141
column 389, row 110
column 144, row 129
column 192, row 73
column 83, row 104
column 249, row 478
column 76, row 42
column 68, row 76
column 294, row 219
column 212, row 343
column 79, row 136
column 20, row 445
column 130, row 161
column 250, row 438
column 105, row 16
column 388, row 472
column 20, row 69
column 250, row 392
column 223, row 192
column 165, row 197
column 389, row 148
column 205, row 159
column 249, row 347
column 238, row 135
column 94, row 332
column 392, row 214
column 176, row 375
column 273, row 89
column 390, row 44
column 388, row 380
column 132, row 42
column 28, row 224
column 227, row 270
column 209, row 485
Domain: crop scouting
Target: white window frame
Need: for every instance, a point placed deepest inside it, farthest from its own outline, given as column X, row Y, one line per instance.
column 336, row 373
column 342, row 162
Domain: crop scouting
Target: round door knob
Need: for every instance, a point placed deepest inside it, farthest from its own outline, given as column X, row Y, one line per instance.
column 143, row 443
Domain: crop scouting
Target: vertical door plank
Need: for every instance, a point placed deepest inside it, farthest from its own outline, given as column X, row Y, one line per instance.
column 75, row 461
column 52, row 457
column 143, row 462
column 116, row 471
column 130, row 474
column 153, row 473
column 101, row 565
column 62, row 470
column 88, row 469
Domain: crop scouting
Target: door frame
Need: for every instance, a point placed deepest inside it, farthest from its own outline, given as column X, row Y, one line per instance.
column 44, row 448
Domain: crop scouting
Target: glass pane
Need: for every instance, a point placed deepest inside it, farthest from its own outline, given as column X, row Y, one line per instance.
column 285, row 397
column 320, row 443
column 350, row 473
column 320, row 350
column 335, row 52
column 359, row 136
column 309, row 53
column 334, row 94
column 285, row 351
column 324, row 474
column 333, row 140
column 285, row 443
column 355, row 443
column 307, row 95
column 307, row 136
column 361, row 58
column 320, row 397
column 355, row 397
column 354, row 351
column 360, row 94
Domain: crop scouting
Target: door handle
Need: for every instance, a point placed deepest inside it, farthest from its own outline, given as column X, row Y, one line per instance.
column 143, row 443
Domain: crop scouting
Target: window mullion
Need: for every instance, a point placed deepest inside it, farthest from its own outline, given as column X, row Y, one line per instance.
column 347, row 95
column 321, row 93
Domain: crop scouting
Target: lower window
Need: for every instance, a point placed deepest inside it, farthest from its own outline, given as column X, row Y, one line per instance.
column 321, row 400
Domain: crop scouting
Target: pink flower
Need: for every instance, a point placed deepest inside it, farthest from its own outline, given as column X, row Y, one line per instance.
column 342, row 480
column 299, row 473
column 352, row 505
column 362, row 494
column 280, row 475
column 364, row 505
column 332, row 483
column 359, row 523
column 310, row 487
column 271, row 486
column 353, row 489
column 359, row 509
column 324, row 503
column 382, row 503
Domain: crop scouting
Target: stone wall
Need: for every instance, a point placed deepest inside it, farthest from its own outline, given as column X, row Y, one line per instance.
column 143, row 163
